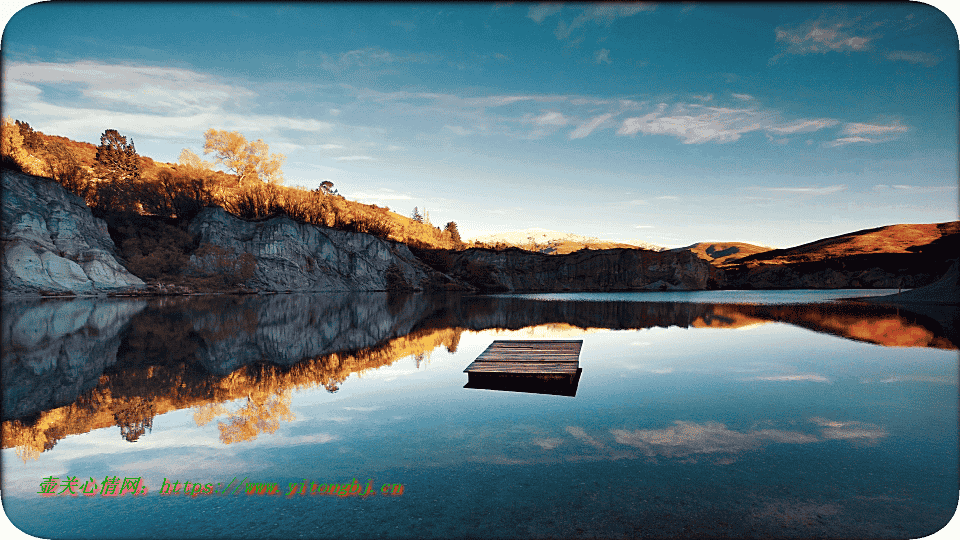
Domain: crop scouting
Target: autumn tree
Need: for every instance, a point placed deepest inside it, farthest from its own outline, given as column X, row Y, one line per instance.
column 326, row 188
column 454, row 233
column 117, row 160
column 11, row 145
column 250, row 161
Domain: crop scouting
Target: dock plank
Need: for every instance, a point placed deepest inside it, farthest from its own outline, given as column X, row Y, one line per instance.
column 529, row 357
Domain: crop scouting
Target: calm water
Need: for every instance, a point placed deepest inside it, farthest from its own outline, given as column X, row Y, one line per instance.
column 697, row 414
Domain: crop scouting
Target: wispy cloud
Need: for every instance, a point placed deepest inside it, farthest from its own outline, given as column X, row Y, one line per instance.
column 458, row 130
column 811, row 190
column 354, row 158
column 541, row 11
column 819, row 37
column 743, row 97
column 873, row 129
column 803, row 126
column 589, row 126
column 789, row 378
column 868, row 133
column 602, row 56
column 157, row 102
column 597, row 14
column 914, row 57
column 696, row 123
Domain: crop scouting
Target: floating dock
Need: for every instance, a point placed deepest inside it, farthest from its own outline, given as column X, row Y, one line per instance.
column 537, row 366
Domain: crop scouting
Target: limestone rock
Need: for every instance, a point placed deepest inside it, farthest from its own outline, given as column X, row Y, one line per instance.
column 53, row 244
column 291, row 256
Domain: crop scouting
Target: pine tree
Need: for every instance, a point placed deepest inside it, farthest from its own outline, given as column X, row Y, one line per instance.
column 416, row 216
column 117, row 160
column 451, row 228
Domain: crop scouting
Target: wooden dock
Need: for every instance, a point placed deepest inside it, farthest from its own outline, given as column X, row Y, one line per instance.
column 527, row 363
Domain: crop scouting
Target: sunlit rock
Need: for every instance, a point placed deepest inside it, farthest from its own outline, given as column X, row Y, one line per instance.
column 53, row 244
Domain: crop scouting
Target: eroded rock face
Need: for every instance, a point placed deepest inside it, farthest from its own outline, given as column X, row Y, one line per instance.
column 291, row 256
column 585, row 270
column 53, row 244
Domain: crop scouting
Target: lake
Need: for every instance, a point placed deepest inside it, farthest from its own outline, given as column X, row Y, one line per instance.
column 700, row 414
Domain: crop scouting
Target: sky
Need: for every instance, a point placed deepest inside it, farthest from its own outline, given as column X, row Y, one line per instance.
column 670, row 123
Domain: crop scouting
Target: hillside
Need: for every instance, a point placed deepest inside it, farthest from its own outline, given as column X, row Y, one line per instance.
column 553, row 242
column 894, row 256
column 720, row 253
column 904, row 238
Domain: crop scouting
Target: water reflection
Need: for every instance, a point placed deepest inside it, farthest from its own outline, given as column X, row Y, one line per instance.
column 72, row 366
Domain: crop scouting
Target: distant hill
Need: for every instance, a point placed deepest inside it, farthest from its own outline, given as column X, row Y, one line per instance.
column 555, row 242
column 894, row 256
column 719, row 253
column 904, row 238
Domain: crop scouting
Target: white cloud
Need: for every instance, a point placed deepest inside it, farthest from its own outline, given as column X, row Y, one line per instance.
column 811, row 190
column 868, row 133
column 331, row 146
column 459, row 130
column 914, row 57
column 551, row 118
column 849, row 430
column 743, row 97
column 354, row 158
column 873, row 129
column 541, row 11
column 668, row 198
column 803, row 126
column 601, row 14
column 589, row 126
column 156, row 102
column 850, row 140
column 807, row 377
column 820, row 37
column 643, row 226
column 601, row 56
column 702, row 124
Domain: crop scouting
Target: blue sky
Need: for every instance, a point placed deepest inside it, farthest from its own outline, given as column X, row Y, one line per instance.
column 667, row 123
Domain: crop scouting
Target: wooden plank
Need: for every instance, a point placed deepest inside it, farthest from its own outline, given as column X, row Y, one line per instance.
column 529, row 357
column 517, row 367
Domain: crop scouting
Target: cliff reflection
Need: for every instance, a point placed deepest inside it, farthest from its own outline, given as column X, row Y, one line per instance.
column 74, row 366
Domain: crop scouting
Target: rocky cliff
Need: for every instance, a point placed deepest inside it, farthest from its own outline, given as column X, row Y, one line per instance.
column 53, row 244
column 585, row 270
column 284, row 255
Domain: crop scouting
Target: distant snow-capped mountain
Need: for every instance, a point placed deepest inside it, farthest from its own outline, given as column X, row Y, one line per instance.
column 542, row 237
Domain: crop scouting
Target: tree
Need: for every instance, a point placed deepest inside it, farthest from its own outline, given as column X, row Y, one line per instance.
column 416, row 216
column 250, row 161
column 117, row 160
column 64, row 167
column 451, row 228
column 326, row 187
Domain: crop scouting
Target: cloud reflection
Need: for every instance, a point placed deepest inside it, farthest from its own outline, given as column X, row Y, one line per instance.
column 688, row 438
